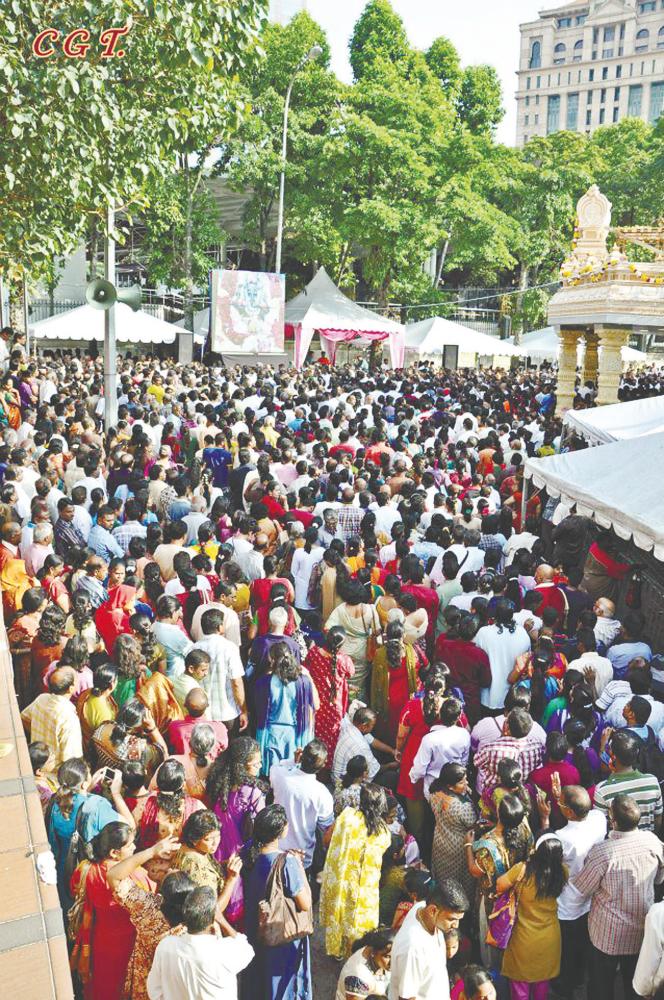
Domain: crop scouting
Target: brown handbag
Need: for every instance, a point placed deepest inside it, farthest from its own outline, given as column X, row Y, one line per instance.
column 279, row 920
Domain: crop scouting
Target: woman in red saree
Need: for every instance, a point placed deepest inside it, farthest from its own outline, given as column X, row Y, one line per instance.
column 166, row 811
column 330, row 671
column 112, row 618
column 105, row 940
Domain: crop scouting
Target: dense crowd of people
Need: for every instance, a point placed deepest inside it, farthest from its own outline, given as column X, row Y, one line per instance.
column 294, row 656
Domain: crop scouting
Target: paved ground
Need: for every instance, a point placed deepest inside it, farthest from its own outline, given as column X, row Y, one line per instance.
column 325, row 970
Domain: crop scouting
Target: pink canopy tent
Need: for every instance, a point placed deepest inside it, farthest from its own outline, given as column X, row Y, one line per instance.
column 322, row 307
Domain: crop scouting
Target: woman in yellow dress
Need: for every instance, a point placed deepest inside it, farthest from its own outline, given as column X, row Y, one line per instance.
column 532, row 957
column 350, row 891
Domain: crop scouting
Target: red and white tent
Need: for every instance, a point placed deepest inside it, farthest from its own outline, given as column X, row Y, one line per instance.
column 321, row 307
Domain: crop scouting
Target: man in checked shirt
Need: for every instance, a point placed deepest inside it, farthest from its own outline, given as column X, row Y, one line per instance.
column 620, row 875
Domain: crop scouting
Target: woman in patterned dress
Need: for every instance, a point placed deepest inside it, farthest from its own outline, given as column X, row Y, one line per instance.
column 330, row 671
column 455, row 815
column 350, row 891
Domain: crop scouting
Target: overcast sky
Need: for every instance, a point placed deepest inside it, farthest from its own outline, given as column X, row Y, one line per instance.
column 484, row 31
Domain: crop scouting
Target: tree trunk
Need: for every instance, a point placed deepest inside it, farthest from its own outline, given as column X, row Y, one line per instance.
column 441, row 264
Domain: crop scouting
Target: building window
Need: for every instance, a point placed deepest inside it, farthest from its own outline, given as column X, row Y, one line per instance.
column 536, row 119
column 602, row 115
column 535, row 55
column 589, row 117
column 528, row 84
column 656, row 101
column 553, row 114
column 578, row 51
column 605, row 72
column 607, row 53
column 616, row 115
column 572, row 112
column 564, row 22
column 591, row 75
column 537, row 99
column 525, row 139
column 527, row 102
column 635, row 101
column 538, row 82
column 602, row 96
column 559, row 54
column 618, row 72
column 589, row 99
column 616, row 94
column 526, row 120
column 647, row 7
column 609, row 34
column 595, row 36
column 582, row 18
column 660, row 38
column 642, row 40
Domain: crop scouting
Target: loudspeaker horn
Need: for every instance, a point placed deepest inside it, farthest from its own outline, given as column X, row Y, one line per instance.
column 101, row 294
column 131, row 297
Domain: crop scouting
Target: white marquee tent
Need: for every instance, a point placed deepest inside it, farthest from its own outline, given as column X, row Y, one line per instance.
column 86, row 323
column 431, row 336
column 542, row 345
column 618, row 422
column 323, row 307
column 618, row 486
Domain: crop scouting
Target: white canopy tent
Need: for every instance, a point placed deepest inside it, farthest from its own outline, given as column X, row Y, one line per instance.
column 323, row 307
column 433, row 335
column 618, row 486
column 543, row 345
column 619, row 422
column 86, row 323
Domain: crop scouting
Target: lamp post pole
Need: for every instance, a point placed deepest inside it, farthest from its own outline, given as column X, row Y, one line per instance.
column 314, row 52
column 110, row 346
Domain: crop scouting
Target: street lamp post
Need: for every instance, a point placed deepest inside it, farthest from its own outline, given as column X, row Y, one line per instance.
column 314, row 52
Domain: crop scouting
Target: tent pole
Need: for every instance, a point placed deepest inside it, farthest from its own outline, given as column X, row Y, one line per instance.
column 524, row 502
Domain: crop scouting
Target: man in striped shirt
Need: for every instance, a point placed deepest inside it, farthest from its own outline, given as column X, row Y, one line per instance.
column 623, row 754
column 619, row 876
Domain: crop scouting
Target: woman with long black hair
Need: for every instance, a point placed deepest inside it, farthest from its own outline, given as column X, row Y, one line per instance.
column 330, row 671
column 350, row 891
column 286, row 702
column 282, row 972
column 532, row 957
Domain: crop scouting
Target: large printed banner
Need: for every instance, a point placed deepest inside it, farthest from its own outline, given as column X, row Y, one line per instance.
column 247, row 312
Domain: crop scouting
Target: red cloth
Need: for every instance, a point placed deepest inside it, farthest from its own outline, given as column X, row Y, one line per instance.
column 274, row 509
column 112, row 934
column 149, row 829
column 553, row 597
column 111, row 618
column 305, row 517
column 179, row 734
column 470, row 670
column 333, row 704
column 412, row 718
column 615, row 569
column 541, row 777
column 426, row 598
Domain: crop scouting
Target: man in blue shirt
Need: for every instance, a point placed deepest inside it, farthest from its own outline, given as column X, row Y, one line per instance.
column 101, row 540
column 218, row 459
column 628, row 645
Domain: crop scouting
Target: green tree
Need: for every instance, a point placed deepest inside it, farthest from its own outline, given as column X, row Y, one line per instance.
column 443, row 61
column 625, row 152
column 480, row 101
column 379, row 34
column 252, row 159
column 79, row 134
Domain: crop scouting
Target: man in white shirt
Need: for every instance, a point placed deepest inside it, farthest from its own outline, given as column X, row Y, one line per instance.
column 355, row 739
column 585, row 828
column 419, row 951
column 503, row 642
column 308, row 803
column 200, row 963
column 649, row 972
column 224, row 683
column 589, row 663
column 607, row 626
column 444, row 743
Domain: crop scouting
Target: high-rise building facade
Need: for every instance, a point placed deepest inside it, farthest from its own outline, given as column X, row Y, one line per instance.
column 283, row 10
column 590, row 63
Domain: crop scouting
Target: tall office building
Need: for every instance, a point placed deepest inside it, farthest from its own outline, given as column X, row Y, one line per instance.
column 283, row 10
column 590, row 63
